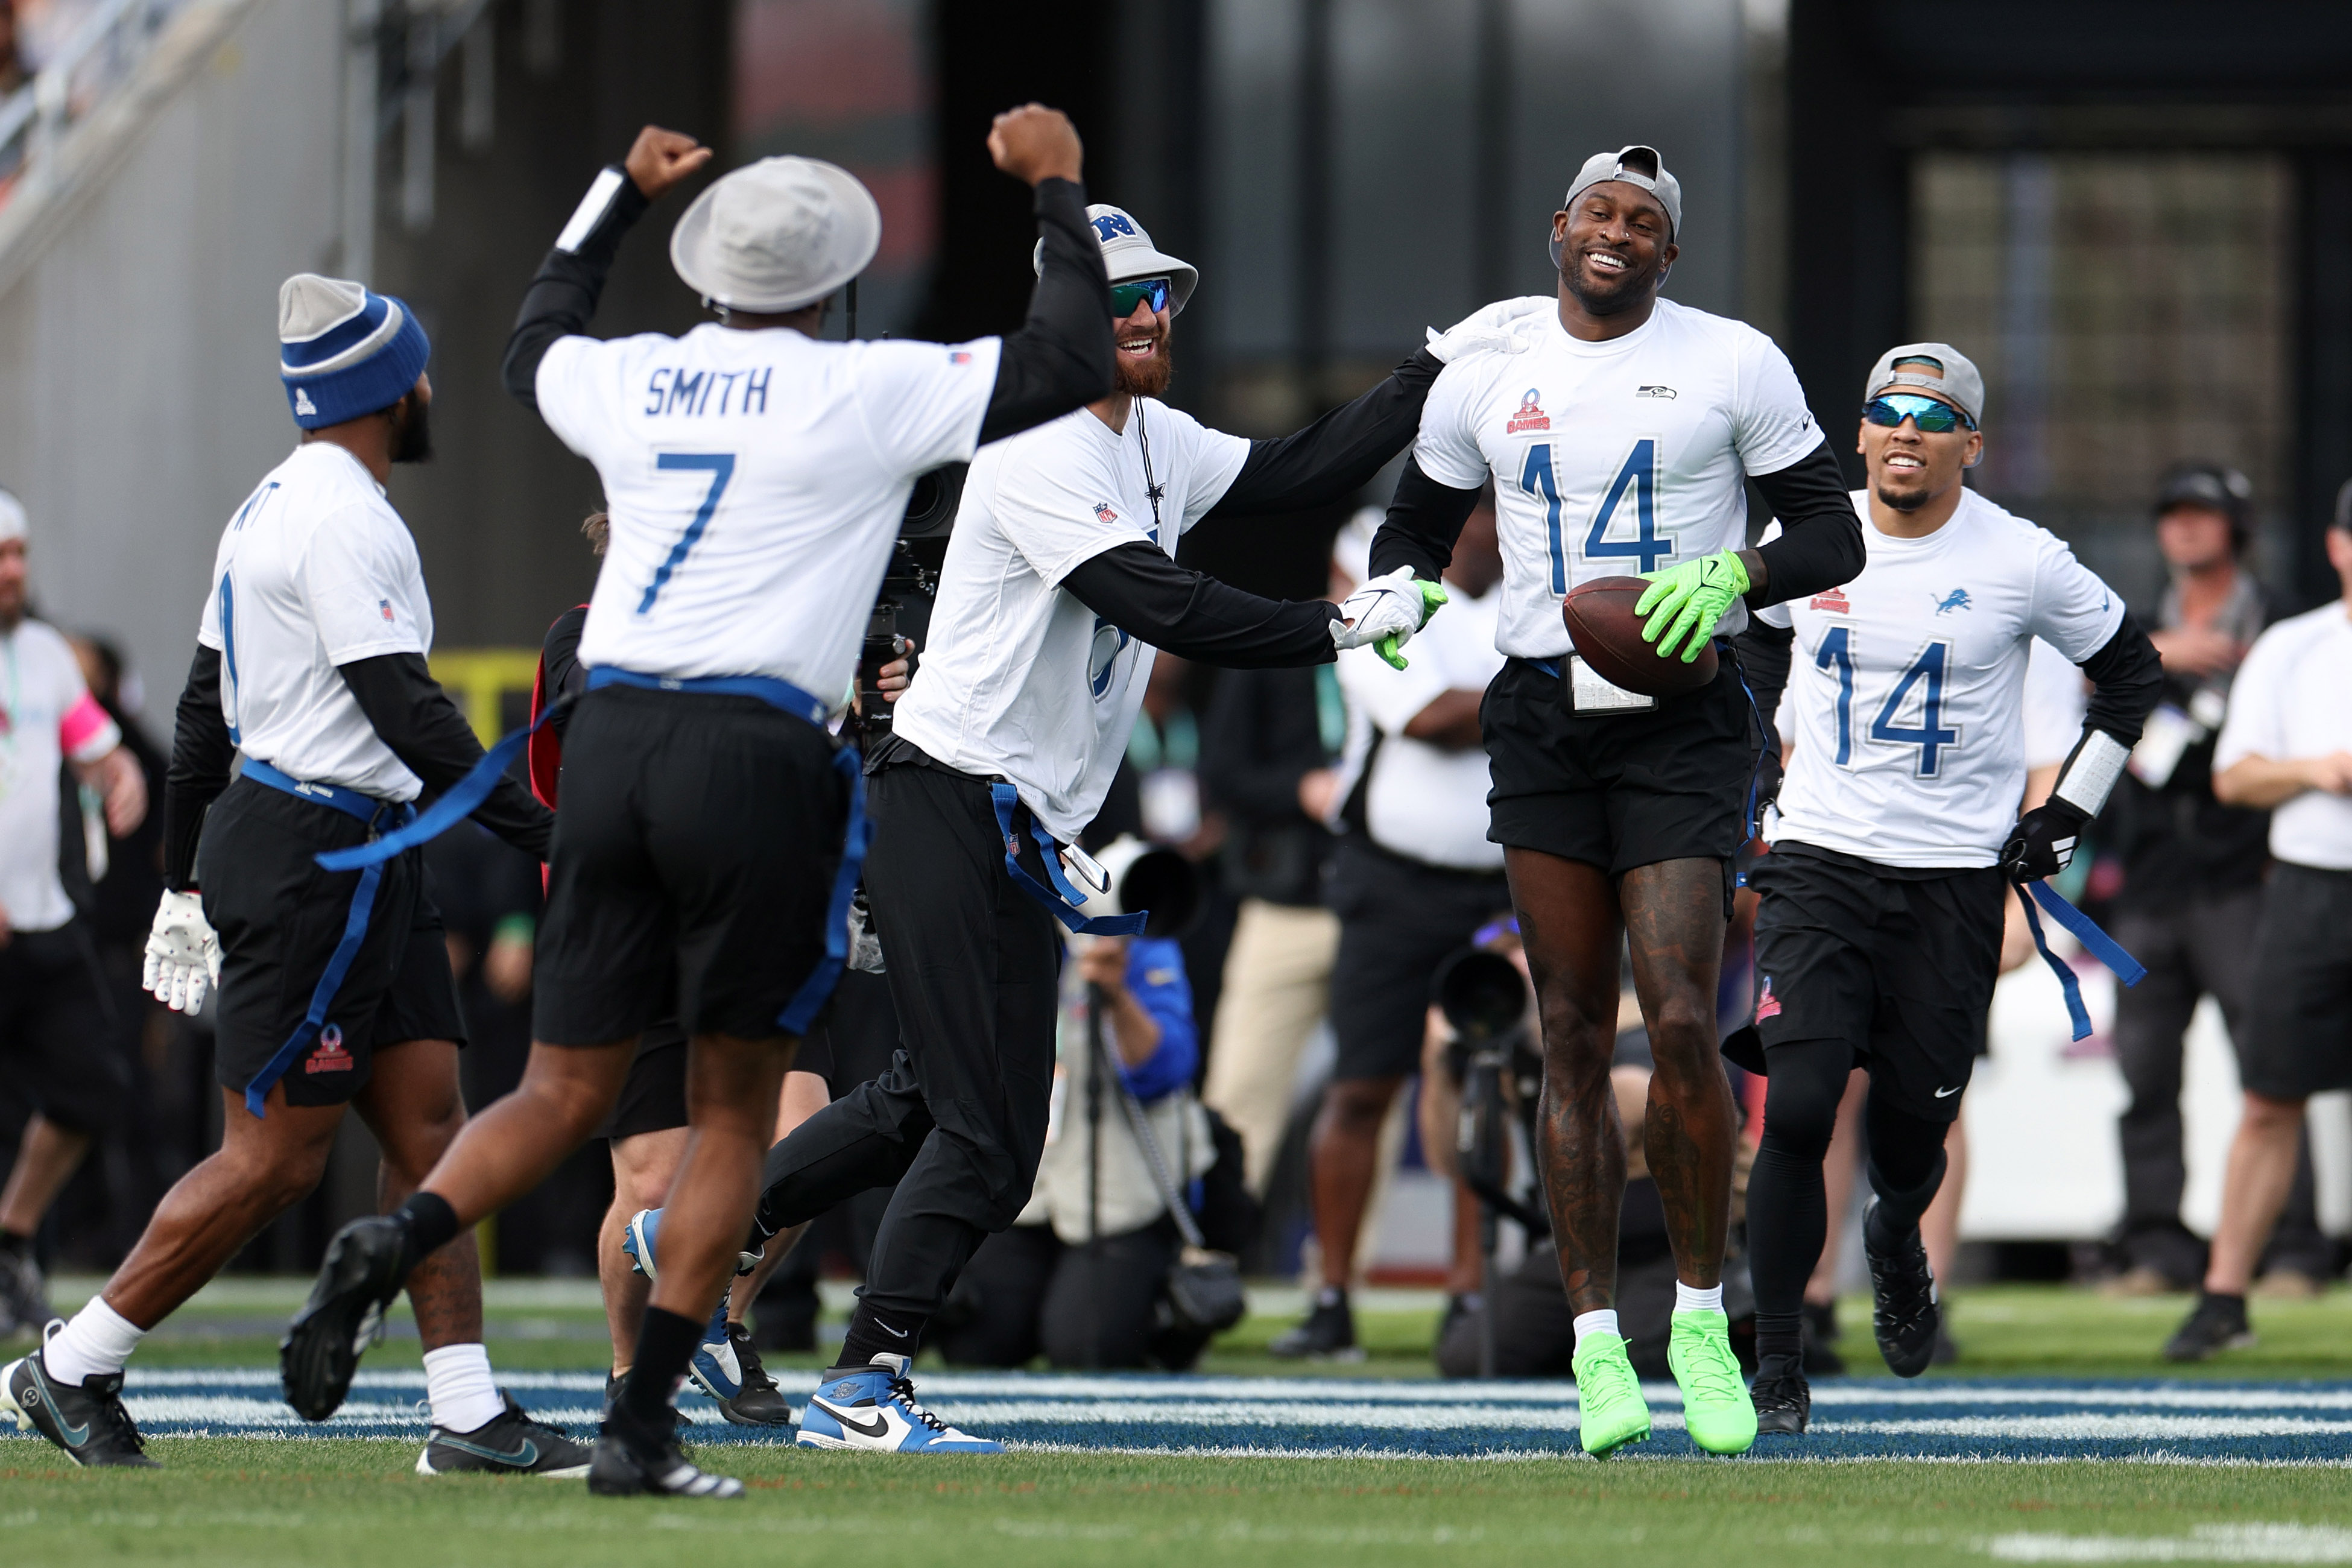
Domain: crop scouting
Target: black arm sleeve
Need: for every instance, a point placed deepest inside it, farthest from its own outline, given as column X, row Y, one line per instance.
column 1821, row 536
column 2127, row 680
column 1764, row 654
column 201, row 752
column 1061, row 357
column 415, row 717
column 563, row 295
column 559, row 658
column 1336, row 455
column 1424, row 521
column 1149, row 598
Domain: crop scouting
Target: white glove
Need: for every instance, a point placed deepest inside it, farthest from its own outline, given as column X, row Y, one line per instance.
column 183, row 956
column 1386, row 612
column 1498, row 328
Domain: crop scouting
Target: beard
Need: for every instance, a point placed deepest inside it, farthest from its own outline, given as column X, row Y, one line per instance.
column 1620, row 293
column 1895, row 501
column 1145, row 378
column 411, row 430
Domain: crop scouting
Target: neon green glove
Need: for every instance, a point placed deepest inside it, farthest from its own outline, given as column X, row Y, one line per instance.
column 1386, row 612
column 1690, row 598
column 1431, row 596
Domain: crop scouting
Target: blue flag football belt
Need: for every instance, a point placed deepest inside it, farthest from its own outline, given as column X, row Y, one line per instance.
column 410, row 827
column 2096, row 942
column 1061, row 898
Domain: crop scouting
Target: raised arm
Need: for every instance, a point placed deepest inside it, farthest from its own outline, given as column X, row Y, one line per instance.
column 1061, row 357
column 1336, row 456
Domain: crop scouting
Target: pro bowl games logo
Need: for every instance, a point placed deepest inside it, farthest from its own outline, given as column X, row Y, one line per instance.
column 329, row 1055
column 1531, row 417
column 1103, row 657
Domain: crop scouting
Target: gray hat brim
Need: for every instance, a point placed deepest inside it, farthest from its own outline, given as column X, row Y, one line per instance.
column 1148, row 262
column 701, row 263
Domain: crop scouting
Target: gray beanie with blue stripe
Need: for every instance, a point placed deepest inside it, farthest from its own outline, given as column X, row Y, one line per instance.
column 344, row 350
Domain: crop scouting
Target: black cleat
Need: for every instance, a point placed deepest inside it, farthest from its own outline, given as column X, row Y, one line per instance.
column 2218, row 1323
column 509, row 1444
column 615, row 1382
column 757, row 1403
column 1784, row 1400
column 87, row 1420
column 1328, row 1335
column 1904, row 1315
column 1822, row 1357
column 24, row 1294
column 629, row 1463
column 367, row 1263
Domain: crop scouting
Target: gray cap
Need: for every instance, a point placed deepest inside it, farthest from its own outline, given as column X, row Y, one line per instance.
column 1938, row 368
column 776, row 235
column 1636, row 165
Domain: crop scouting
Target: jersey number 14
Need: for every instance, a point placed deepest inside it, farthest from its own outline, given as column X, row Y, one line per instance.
column 1926, row 671
column 1636, row 479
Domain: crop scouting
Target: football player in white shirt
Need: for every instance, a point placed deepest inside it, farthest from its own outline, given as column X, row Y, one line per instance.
column 334, row 985
column 1620, row 435
column 1059, row 583
column 2286, row 748
column 755, row 478
column 1878, row 934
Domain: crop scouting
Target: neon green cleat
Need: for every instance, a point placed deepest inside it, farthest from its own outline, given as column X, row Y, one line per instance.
column 1611, row 1410
column 1716, row 1406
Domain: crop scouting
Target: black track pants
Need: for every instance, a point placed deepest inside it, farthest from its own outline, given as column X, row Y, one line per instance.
column 959, row 1122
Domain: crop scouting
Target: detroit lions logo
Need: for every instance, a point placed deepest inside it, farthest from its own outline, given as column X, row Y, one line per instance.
column 1957, row 599
column 1102, row 657
column 1111, row 223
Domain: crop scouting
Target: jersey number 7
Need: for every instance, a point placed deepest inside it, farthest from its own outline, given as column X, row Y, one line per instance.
column 1638, row 474
column 721, row 467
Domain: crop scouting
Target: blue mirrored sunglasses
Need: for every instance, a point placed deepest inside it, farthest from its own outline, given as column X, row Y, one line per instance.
column 1931, row 414
column 1125, row 296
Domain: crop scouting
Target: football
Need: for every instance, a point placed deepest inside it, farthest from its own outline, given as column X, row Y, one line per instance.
column 1606, row 631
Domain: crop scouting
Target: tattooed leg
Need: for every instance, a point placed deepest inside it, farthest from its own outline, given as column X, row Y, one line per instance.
column 412, row 1106
column 1675, row 926
column 1568, row 923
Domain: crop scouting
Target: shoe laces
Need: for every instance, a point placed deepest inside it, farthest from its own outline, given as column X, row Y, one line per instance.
column 1606, row 1376
column 1780, row 1392
column 747, row 1361
column 1712, row 1372
column 902, row 1389
column 116, row 1416
column 1904, row 1279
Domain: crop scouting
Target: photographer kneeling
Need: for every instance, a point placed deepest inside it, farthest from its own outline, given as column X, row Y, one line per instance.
column 1083, row 1273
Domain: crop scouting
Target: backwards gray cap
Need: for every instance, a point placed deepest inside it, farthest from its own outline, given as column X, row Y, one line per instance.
column 1635, row 165
column 1938, row 368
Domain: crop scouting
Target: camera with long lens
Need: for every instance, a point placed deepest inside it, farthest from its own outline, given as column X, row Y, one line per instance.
column 910, row 584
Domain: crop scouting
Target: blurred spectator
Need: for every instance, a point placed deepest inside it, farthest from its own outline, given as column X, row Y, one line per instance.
column 1413, row 879
column 1082, row 1273
column 55, row 1019
column 2287, row 748
column 13, row 72
column 2191, row 867
column 1267, row 756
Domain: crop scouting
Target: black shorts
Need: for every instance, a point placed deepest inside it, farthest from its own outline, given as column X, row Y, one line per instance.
column 1399, row 920
column 1900, row 966
column 57, row 1028
column 653, row 1096
column 694, row 860
column 2298, row 1039
column 1619, row 790
column 280, row 917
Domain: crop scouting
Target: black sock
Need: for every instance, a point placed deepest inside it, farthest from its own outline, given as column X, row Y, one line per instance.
column 1780, row 1335
column 665, row 1344
column 871, row 1334
column 431, row 1222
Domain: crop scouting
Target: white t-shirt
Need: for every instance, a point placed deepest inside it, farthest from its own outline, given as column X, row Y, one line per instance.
column 315, row 570
column 1611, row 459
column 1905, row 698
column 1424, row 800
column 1020, row 679
column 47, row 716
column 755, row 482
column 2055, row 701
column 2293, row 699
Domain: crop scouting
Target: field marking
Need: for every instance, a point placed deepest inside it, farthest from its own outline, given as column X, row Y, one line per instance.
column 2205, row 1544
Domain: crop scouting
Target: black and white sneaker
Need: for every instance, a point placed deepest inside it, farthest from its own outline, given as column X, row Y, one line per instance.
column 631, row 1463
column 86, row 1419
column 1328, row 1333
column 1783, row 1399
column 2218, row 1323
column 1904, row 1313
column 24, row 1294
column 509, row 1444
column 756, row 1401
column 366, row 1263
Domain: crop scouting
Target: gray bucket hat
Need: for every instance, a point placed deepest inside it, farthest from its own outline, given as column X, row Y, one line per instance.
column 1938, row 368
column 1128, row 252
column 777, row 234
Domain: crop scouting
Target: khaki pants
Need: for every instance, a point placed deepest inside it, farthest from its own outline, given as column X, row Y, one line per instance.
column 1276, row 987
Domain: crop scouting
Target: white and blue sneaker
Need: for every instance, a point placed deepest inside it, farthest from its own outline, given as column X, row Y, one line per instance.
column 873, row 1408
column 717, row 1368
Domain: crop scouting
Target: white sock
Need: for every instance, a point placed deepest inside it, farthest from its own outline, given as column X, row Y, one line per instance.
column 1691, row 1299
column 1600, row 1322
column 457, row 1381
column 96, row 1342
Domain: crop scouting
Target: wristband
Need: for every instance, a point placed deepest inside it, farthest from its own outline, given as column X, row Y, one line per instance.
column 2091, row 771
column 594, row 209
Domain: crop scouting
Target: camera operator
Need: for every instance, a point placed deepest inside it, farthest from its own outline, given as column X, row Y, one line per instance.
column 1058, row 583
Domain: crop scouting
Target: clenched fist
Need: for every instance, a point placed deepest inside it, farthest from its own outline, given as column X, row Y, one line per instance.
column 1033, row 144
column 660, row 159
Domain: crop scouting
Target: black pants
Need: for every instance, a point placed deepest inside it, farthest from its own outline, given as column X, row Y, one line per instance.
column 55, row 1018
column 1085, row 1307
column 974, row 966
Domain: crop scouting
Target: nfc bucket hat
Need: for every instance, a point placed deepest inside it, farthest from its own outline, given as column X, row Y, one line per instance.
column 1128, row 252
